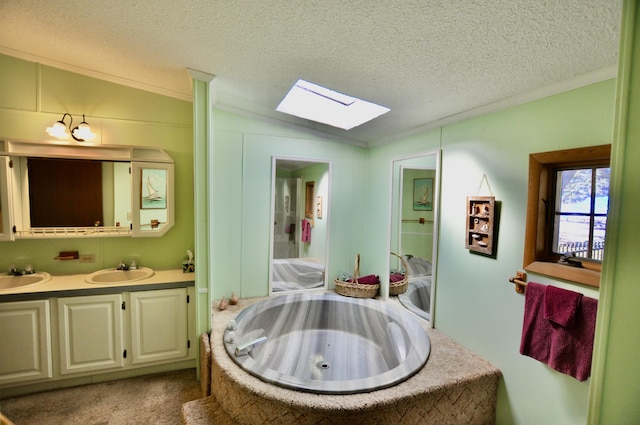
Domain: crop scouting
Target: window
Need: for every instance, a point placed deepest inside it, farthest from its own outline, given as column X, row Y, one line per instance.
column 580, row 209
column 567, row 213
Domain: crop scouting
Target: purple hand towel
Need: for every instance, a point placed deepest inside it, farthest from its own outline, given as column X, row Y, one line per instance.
column 561, row 305
column 371, row 279
column 565, row 349
column 396, row 277
column 306, row 231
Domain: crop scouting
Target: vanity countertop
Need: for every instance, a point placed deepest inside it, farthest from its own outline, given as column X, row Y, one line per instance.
column 75, row 285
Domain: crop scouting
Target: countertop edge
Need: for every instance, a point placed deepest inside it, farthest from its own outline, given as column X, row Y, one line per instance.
column 75, row 285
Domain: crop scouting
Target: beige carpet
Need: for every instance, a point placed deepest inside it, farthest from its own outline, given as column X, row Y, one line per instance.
column 152, row 399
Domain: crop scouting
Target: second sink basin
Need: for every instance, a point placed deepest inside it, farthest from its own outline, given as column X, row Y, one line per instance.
column 114, row 276
column 10, row 281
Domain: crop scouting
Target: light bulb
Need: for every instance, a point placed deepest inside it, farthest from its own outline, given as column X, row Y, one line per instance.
column 83, row 132
column 58, row 130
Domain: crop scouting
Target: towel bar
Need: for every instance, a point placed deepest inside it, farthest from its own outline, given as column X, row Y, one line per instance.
column 520, row 281
column 420, row 220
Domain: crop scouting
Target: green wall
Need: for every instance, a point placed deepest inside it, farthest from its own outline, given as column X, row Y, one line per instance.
column 33, row 96
column 318, row 174
column 241, row 193
column 417, row 239
column 475, row 303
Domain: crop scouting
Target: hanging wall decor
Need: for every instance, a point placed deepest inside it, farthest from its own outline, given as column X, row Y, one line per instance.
column 319, row 206
column 480, row 224
column 423, row 194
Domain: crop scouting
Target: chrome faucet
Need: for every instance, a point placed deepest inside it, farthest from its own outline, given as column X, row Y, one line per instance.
column 28, row 269
column 122, row 266
column 14, row 271
column 244, row 349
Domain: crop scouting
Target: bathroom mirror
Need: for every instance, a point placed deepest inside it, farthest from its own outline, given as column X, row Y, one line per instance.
column 60, row 190
column 414, row 227
column 299, row 212
column 77, row 193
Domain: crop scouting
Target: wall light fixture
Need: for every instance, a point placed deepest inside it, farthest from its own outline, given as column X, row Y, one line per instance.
column 81, row 133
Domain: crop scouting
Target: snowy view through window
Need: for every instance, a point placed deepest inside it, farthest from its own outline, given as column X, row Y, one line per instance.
column 581, row 218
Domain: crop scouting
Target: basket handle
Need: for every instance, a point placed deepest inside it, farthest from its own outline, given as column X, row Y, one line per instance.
column 404, row 264
column 356, row 269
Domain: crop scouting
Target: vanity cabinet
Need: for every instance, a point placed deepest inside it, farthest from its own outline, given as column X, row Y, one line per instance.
column 92, row 329
column 90, row 333
column 159, row 325
column 25, row 341
column 77, row 337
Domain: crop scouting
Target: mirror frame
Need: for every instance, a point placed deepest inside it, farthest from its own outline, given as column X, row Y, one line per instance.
column 6, row 198
column 326, row 216
column 135, row 156
column 397, row 208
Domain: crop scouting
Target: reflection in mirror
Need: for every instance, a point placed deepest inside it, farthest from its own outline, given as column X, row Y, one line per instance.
column 77, row 193
column 300, row 198
column 67, row 190
column 414, row 223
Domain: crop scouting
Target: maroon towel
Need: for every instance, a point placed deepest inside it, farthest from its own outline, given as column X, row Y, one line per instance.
column 306, row 231
column 561, row 305
column 566, row 349
column 396, row 277
column 371, row 279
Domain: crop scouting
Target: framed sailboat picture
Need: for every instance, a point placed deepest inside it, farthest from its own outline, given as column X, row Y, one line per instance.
column 153, row 190
column 423, row 194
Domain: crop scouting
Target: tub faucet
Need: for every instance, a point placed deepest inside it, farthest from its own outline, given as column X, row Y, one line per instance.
column 244, row 349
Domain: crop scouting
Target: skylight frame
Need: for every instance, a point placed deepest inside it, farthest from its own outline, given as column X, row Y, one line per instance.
column 314, row 102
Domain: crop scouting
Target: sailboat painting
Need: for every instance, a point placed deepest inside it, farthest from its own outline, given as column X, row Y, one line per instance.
column 153, row 190
column 423, row 194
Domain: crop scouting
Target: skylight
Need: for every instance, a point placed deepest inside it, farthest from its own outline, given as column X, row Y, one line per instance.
column 313, row 102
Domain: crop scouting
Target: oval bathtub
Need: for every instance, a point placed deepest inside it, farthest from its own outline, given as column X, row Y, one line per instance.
column 326, row 343
column 417, row 297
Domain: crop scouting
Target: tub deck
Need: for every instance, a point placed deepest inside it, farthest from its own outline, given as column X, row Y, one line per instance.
column 456, row 386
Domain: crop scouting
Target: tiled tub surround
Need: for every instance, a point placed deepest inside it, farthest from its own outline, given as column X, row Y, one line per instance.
column 326, row 343
column 455, row 386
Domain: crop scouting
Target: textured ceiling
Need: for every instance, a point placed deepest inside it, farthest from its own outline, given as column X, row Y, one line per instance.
column 427, row 60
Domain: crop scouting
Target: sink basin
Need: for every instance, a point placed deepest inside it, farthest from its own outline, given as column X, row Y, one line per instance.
column 115, row 277
column 10, row 282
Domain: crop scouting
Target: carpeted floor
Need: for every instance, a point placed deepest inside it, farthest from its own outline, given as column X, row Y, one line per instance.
column 151, row 399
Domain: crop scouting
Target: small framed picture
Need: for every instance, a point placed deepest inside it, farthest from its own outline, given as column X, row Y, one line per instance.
column 153, row 190
column 423, row 194
column 319, row 206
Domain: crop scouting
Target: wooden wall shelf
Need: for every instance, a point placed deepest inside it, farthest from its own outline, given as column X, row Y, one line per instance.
column 480, row 224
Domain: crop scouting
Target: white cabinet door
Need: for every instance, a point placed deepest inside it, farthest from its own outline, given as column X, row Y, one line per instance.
column 25, row 341
column 91, row 336
column 159, row 325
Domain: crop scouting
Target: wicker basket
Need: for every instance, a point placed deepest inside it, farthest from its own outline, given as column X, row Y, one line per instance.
column 355, row 289
column 399, row 287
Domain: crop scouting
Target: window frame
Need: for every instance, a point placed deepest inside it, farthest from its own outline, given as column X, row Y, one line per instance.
column 542, row 165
